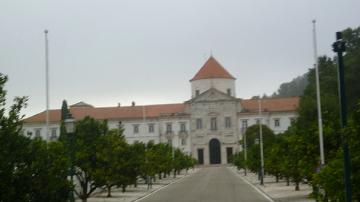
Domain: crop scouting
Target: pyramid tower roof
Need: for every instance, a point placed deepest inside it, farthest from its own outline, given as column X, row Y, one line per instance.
column 212, row 69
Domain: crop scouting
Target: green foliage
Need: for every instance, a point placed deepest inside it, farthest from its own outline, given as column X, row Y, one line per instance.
column 111, row 157
column 239, row 160
column 253, row 148
column 30, row 170
column 293, row 88
column 64, row 110
column 103, row 159
column 295, row 153
column 88, row 135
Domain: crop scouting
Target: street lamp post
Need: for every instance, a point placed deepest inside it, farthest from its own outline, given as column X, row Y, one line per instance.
column 339, row 47
column 245, row 153
column 70, row 129
column 261, row 146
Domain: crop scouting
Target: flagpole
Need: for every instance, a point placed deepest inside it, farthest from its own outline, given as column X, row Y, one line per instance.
column 322, row 156
column 47, row 82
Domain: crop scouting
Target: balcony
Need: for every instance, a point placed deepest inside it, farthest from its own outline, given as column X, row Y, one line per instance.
column 183, row 134
column 169, row 134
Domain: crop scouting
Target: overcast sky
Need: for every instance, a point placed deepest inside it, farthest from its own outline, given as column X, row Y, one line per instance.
column 105, row 52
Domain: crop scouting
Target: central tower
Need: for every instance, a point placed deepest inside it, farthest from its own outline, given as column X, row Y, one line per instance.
column 212, row 75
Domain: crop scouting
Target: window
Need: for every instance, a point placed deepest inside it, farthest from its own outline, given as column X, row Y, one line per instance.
column 183, row 141
column 53, row 134
column 213, row 124
column 198, row 123
column 37, row 132
column 244, row 124
column 227, row 122
column 197, row 92
column 136, row 128
column 257, row 121
column 277, row 122
column 29, row 133
column 168, row 128
column 169, row 142
column 228, row 91
column 151, row 128
column 182, row 127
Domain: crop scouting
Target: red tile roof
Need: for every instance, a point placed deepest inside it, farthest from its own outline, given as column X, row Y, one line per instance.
column 154, row 111
column 212, row 69
column 271, row 104
column 102, row 113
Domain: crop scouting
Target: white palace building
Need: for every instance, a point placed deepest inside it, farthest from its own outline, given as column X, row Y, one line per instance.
column 208, row 126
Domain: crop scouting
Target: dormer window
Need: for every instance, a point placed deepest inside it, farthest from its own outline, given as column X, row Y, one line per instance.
column 228, row 91
column 197, row 92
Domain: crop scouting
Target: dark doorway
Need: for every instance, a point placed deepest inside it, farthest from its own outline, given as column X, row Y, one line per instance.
column 229, row 153
column 200, row 153
column 214, row 147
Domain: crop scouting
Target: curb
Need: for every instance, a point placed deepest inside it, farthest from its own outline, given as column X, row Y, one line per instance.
column 262, row 192
column 163, row 187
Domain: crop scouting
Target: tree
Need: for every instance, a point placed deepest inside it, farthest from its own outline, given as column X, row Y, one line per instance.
column 274, row 158
column 88, row 134
column 64, row 110
column 111, row 156
column 302, row 137
column 135, row 155
column 48, row 170
column 64, row 114
column 293, row 88
column 238, row 160
column 30, row 170
column 253, row 149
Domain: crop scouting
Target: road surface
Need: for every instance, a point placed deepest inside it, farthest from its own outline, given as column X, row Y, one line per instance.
column 210, row 184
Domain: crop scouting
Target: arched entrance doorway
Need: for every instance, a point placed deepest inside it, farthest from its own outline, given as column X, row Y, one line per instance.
column 214, row 149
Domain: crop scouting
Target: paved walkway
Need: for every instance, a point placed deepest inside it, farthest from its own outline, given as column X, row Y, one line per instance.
column 279, row 192
column 210, row 184
column 134, row 193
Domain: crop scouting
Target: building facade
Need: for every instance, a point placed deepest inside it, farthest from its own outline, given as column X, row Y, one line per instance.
column 208, row 126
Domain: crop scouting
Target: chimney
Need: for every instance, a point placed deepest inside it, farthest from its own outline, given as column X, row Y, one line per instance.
column 119, row 104
column 133, row 104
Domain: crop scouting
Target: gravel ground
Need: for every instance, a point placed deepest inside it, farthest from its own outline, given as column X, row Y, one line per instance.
column 278, row 191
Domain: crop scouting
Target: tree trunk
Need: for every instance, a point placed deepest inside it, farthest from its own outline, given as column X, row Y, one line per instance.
column 277, row 177
column 174, row 173
column 160, row 176
column 287, row 181
column 123, row 188
column 108, row 191
column 297, row 188
column 164, row 174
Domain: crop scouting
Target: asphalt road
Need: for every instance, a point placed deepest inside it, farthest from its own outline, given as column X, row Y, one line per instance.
column 210, row 184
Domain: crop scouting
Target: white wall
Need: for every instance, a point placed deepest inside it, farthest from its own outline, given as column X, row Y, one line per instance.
column 176, row 140
column 268, row 119
column 220, row 84
column 143, row 135
column 31, row 128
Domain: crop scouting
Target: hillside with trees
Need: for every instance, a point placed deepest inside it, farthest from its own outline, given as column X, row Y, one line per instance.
column 295, row 87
